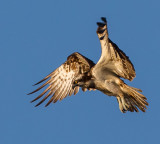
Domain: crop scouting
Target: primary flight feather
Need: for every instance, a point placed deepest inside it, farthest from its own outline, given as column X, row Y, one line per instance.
column 79, row 71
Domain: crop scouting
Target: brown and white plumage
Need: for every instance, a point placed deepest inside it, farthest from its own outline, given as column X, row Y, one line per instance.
column 61, row 80
column 112, row 57
column 79, row 71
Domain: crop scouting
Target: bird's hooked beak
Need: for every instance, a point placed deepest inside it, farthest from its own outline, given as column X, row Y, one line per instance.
column 74, row 85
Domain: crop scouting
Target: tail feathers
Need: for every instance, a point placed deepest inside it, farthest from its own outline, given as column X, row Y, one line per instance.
column 132, row 100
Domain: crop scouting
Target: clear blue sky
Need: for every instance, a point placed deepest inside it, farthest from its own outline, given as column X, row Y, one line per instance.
column 36, row 36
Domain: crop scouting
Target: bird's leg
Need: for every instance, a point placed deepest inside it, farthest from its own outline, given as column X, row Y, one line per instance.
column 120, row 104
column 125, row 105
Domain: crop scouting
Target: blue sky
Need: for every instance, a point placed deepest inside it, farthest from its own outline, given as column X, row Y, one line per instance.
column 36, row 36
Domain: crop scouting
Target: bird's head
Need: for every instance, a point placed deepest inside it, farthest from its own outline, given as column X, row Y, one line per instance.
column 78, row 82
column 85, row 83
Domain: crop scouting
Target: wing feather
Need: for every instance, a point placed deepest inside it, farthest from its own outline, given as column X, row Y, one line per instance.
column 51, row 99
column 44, row 98
column 64, row 92
column 61, row 80
column 42, row 94
column 40, row 87
column 71, row 92
column 112, row 58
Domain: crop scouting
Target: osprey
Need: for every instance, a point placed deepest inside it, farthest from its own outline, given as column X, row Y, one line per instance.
column 79, row 71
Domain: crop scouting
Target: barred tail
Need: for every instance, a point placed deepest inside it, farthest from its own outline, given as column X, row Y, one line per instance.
column 132, row 100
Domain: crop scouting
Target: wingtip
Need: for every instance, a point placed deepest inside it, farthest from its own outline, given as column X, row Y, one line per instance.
column 49, row 102
column 104, row 19
column 37, row 83
column 29, row 93
column 46, row 105
column 31, row 101
column 44, row 79
column 37, row 105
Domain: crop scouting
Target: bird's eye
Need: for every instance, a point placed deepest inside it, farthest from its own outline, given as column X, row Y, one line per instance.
column 75, row 81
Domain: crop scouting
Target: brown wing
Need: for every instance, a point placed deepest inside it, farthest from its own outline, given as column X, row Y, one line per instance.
column 112, row 57
column 61, row 80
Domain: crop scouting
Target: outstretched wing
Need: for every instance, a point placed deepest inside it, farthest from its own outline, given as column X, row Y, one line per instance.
column 61, row 80
column 112, row 58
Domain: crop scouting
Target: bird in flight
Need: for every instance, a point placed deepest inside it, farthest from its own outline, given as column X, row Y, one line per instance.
column 80, row 72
